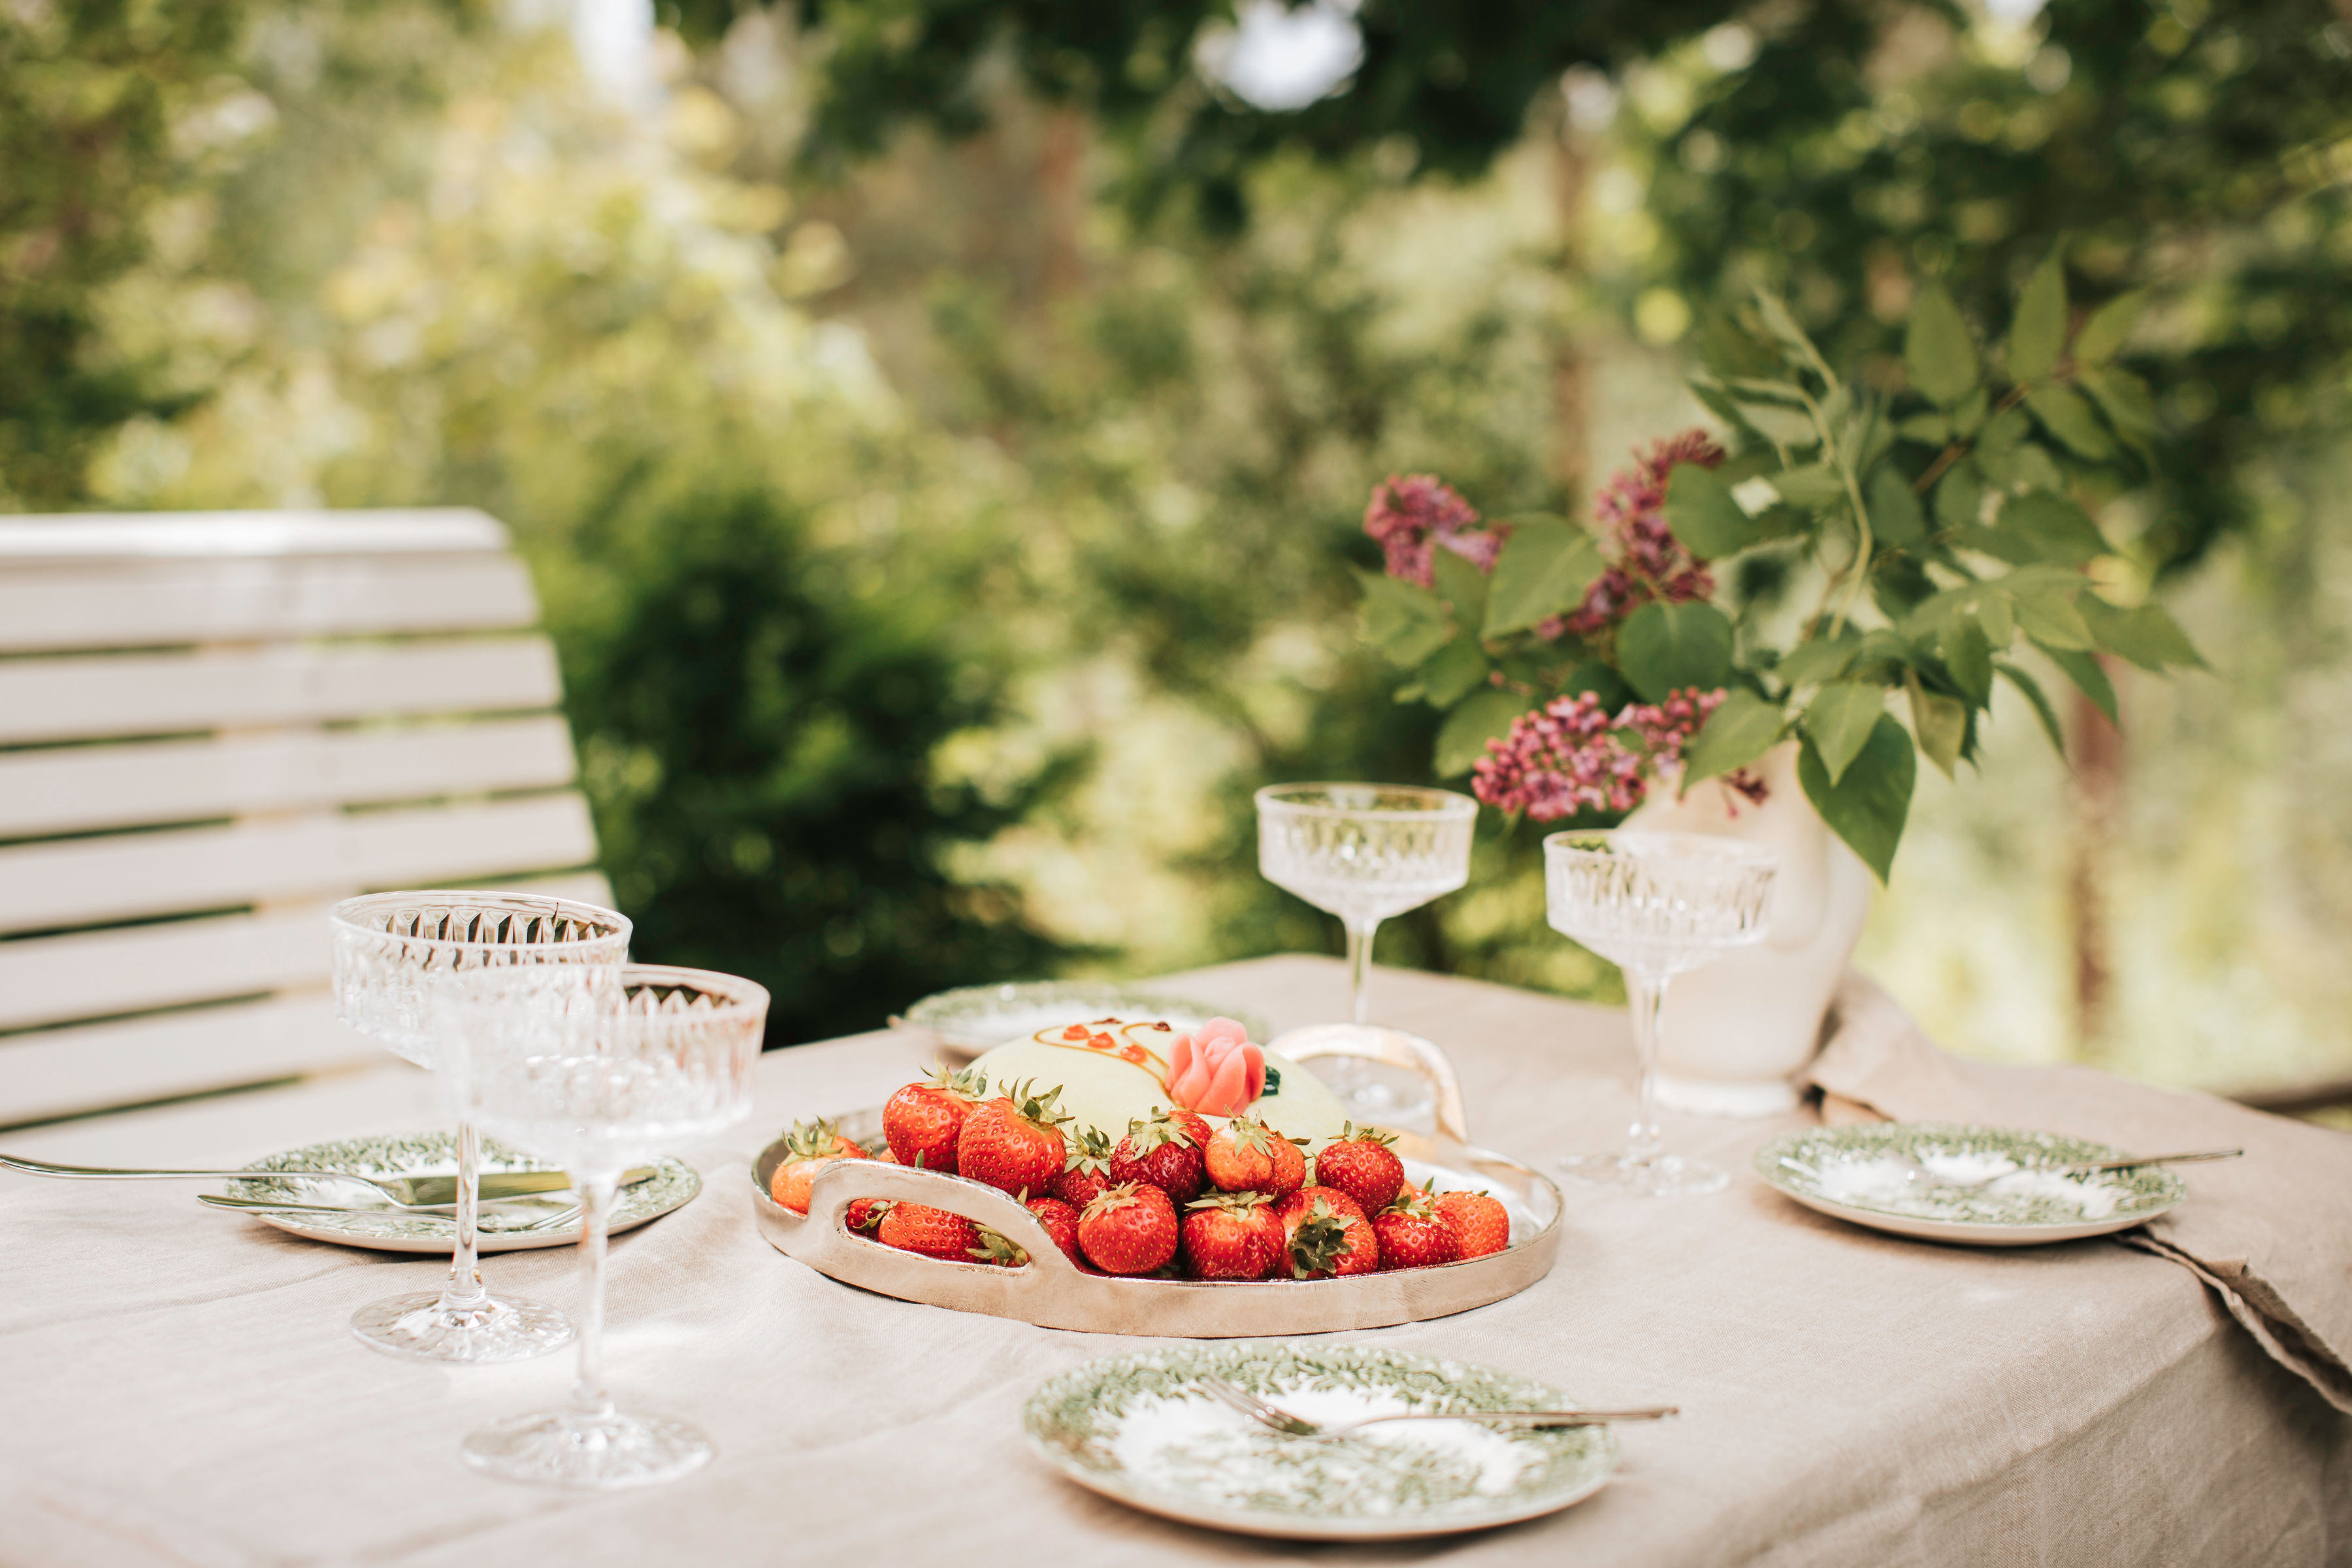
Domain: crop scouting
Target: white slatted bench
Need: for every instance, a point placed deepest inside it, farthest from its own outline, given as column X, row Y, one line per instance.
column 212, row 726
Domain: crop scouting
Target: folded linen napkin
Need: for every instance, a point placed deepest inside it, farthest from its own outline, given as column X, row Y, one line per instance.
column 2272, row 1233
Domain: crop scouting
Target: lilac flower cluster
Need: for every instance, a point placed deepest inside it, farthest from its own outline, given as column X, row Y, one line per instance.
column 1411, row 514
column 1650, row 563
column 1571, row 756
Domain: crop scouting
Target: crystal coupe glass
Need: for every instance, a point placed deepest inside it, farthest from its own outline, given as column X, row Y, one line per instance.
column 1657, row 905
column 1364, row 852
column 391, row 952
column 599, row 1068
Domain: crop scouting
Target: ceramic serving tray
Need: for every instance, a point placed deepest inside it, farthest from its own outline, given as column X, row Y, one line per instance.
column 1050, row 1291
column 1854, row 1173
column 976, row 1017
column 499, row 1227
column 1139, row 1429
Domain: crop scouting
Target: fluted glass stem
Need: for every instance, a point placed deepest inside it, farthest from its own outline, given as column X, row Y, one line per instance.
column 1645, row 996
column 589, row 1400
column 465, row 1293
column 1360, row 968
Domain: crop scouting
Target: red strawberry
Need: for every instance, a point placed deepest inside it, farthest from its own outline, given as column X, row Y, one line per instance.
column 1061, row 1223
column 809, row 1147
column 864, row 1214
column 923, row 1121
column 1130, row 1229
column 1015, row 1142
column 934, row 1233
column 1330, row 1236
column 1164, row 1152
column 1086, row 1171
column 1246, row 1155
column 1411, row 1236
column 1231, row 1236
column 1478, row 1222
column 1362, row 1165
column 994, row 1248
column 1300, row 1204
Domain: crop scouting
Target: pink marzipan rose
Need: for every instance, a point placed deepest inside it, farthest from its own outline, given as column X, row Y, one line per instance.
column 1216, row 1072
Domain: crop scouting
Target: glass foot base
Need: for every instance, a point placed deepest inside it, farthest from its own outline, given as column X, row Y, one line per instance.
column 1664, row 1176
column 501, row 1328
column 562, row 1448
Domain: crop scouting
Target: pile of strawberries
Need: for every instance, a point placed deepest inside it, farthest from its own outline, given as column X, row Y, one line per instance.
column 1172, row 1199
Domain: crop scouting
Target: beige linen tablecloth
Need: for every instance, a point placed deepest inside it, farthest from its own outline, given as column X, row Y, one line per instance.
column 176, row 1386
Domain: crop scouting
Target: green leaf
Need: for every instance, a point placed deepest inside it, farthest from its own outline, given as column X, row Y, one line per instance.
column 1823, row 658
column 1406, row 622
column 1814, row 485
column 2085, row 670
column 2126, row 402
column 1784, row 326
column 1938, row 354
column 1928, row 429
column 1999, row 618
column 1781, row 427
column 2031, row 690
column 2065, row 415
column 1868, row 806
column 1970, row 415
column 1483, row 717
column 1894, row 514
column 2032, row 467
column 1940, row 722
column 1839, row 719
column 2147, row 635
column 1959, row 495
column 2058, row 529
column 1543, row 571
column 2103, row 335
column 1998, row 438
column 1993, row 542
column 1742, row 729
column 1969, row 655
column 1703, row 516
column 1665, row 647
column 2054, row 622
column 1455, row 671
column 1461, row 586
column 2037, row 334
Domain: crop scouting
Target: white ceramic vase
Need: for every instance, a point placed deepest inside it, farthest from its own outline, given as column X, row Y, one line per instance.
column 1735, row 1033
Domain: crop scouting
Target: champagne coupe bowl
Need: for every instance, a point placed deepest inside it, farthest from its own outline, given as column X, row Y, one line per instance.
column 1364, row 852
column 600, row 1068
column 1657, row 905
column 392, row 952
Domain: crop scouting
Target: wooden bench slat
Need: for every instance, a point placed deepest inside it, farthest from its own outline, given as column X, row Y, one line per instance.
column 132, row 875
column 147, row 605
column 106, row 536
column 50, row 980
column 61, row 1071
column 83, row 788
column 89, row 698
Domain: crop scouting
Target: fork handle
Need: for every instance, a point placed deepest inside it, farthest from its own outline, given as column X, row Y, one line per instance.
column 2154, row 1159
column 1535, row 1418
column 101, row 1173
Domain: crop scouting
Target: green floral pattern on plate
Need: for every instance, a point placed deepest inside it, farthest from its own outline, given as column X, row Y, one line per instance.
column 1242, row 1477
column 1795, row 1164
column 436, row 1154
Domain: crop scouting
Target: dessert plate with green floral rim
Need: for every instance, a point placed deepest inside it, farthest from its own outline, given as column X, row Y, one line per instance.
column 1141, row 1430
column 976, row 1018
column 500, row 1227
column 1854, row 1173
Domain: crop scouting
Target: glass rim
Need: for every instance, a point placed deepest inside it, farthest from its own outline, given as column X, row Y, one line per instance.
column 731, row 997
column 342, row 917
column 1444, row 803
column 1559, row 846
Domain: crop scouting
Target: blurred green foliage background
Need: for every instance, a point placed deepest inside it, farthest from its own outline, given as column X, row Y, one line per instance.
column 941, row 427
